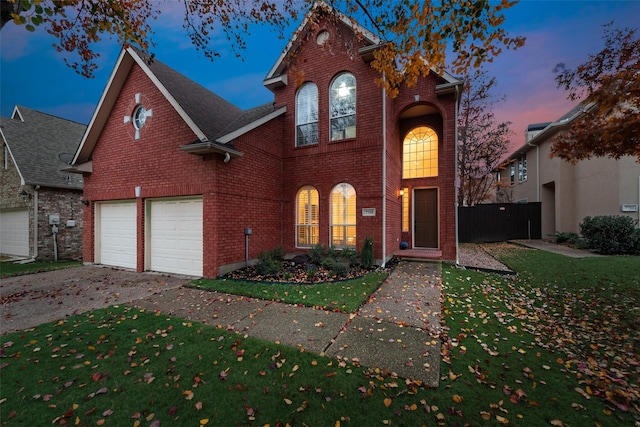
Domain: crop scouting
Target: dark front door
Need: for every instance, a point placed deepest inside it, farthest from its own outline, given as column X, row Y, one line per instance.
column 425, row 214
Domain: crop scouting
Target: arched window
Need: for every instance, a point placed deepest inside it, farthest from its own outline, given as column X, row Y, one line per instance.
column 420, row 153
column 307, row 217
column 307, row 115
column 342, row 107
column 343, row 216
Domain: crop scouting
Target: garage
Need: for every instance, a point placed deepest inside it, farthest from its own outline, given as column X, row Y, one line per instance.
column 14, row 232
column 116, row 234
column 174, row 238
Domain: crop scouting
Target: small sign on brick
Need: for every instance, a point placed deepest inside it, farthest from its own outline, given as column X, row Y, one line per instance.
column 368, row 211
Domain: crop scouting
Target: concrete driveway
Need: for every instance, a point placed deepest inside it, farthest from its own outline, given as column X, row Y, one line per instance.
column 33, row 299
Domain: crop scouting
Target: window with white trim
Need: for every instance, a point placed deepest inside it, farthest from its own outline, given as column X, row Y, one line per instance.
column 342, row 107
column 343, row 217
column 307, row 217
column 307, row 115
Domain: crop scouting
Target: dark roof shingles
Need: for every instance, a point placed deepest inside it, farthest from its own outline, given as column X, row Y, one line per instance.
column 37, row 143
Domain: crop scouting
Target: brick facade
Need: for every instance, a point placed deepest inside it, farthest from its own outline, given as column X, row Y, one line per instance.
column 258, row 190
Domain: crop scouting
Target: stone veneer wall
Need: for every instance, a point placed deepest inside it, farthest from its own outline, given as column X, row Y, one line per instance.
column 68, row 205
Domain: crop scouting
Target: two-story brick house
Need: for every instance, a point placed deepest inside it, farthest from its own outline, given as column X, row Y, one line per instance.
column 176, row 177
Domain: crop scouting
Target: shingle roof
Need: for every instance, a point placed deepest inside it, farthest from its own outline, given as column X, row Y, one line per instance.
column 208, row 111
column 36, row 143
column 247, row 117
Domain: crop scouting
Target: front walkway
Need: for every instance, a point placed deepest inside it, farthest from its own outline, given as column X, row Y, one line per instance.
column 396, row 330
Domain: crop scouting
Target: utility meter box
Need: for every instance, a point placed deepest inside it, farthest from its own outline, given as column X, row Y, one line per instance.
column 54, row 219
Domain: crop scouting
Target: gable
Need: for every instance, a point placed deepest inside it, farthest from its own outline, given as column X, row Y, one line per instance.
column 205, row 113
column 41, row 145
column 277, row 76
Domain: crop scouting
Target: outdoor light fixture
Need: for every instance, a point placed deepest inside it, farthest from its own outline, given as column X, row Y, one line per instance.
column 85, row 202
column 401, row 192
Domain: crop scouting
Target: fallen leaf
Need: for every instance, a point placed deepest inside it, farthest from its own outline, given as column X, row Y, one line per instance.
column 387, row 402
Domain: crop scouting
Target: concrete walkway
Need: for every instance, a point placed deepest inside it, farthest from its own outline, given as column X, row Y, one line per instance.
column 396, row 330
column 555, row 248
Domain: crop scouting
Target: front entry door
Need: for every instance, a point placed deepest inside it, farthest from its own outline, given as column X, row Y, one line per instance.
column 425, row 214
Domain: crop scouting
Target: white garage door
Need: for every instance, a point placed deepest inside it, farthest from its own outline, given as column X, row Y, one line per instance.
column 116, row 234
column 14, row 232
column 175, row 236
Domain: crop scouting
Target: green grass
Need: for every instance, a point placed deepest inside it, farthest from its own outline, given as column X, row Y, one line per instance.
column 10, row 269
column 346, row 295
column 516, row 349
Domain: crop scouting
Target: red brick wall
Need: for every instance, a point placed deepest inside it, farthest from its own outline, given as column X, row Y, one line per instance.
column 443, row 122
column 248, row 194
column 357, row 161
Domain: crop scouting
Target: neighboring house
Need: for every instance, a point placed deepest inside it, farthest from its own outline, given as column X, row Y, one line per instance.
column 179, row 180
column 568, row 192
column 35, row 192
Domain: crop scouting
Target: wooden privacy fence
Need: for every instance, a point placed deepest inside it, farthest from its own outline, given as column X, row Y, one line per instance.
column 499, row 222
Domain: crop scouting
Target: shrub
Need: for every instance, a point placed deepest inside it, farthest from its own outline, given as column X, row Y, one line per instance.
column 317, row 254
column 367, row 252
column 278, row 254
column 268, row 264
column 614, row 234
column 350, row 256
column 341, row 269
column 571, row 239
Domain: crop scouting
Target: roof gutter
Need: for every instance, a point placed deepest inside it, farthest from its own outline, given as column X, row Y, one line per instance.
column 209, row 147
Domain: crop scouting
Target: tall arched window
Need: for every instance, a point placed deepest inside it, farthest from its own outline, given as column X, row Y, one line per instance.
column 342, row 107
column 307, row 217
column 307, row 115
column 343, row 216
column 420, row 153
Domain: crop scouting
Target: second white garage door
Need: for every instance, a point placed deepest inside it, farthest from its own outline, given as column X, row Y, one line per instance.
column 175, row 236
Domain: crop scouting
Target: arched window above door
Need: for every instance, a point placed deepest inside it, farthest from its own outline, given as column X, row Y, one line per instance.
column 420, row 153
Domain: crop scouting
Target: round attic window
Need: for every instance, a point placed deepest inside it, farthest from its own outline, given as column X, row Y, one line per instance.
column 322, row 37
column 139, row 117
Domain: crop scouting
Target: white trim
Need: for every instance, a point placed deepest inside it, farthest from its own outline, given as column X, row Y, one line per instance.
column 195, row 129
column 13, row 159
column 384, row 172
column 16, row 111
column 89, row 132
column 249, row 127
column 302, row 30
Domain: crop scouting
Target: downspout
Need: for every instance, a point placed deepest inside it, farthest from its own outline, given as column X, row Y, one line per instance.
column 35, row 221
column 537, row 170
column 384, row 172
column 456, row 177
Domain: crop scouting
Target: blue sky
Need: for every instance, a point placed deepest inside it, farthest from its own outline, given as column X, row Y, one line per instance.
column 33, row 74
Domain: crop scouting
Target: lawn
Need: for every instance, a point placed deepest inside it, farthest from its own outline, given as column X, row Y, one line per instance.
column 556, row 345
column 10, row 269
column 343, row 295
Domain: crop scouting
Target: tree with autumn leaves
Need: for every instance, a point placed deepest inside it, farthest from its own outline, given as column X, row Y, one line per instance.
column 608, row 87
column 415, row 35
